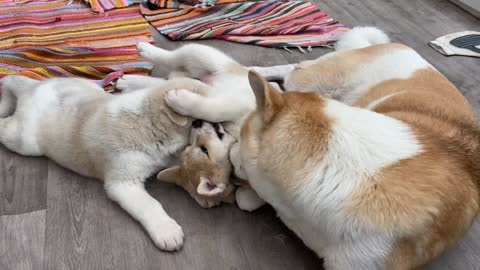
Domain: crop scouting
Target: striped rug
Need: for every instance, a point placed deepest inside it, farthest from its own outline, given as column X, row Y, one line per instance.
column 279, row 24
column 104, row 5
column 101, row 6
column 51, row 38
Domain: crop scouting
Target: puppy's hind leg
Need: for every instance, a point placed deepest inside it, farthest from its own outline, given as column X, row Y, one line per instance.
column 7, row 103
column 11, row 87
column 14, row 133
column 212, row 109
column 15, row 136
column 194, row 59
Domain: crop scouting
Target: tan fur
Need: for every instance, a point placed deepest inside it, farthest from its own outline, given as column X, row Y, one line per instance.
column 296, row 111
column 192, row 166
column 445, row 176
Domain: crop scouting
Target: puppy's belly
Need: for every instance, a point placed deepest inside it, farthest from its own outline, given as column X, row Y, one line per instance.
column 65, row 137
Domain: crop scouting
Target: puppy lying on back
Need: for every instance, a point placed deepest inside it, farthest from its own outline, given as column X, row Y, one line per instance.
column 203, row 168
column 229, row 100
column 121, row 139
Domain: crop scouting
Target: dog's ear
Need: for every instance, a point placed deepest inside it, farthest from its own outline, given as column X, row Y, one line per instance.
column 207, row 188
column 269, row 100
column 170, row 175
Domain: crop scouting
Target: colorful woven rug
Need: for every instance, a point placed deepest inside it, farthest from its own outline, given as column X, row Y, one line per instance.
column 101, row 6
column 104, row 5
column 278, row 24
column 51, row 38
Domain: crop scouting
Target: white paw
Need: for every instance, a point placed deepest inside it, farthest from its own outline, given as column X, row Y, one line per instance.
column 166, row 234
column 129, row 82
column 180, row 100
column 247, row 199
column 146, row 50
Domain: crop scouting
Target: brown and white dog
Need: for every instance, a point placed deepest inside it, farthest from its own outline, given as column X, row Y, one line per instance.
column 377, row 166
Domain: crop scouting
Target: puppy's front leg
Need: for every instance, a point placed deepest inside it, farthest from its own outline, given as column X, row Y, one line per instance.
column 132, row 196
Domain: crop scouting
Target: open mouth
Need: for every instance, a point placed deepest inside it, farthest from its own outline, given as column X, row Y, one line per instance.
column 218, row 130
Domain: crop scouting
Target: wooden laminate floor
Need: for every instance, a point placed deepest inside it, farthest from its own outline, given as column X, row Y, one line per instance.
column 51, row 218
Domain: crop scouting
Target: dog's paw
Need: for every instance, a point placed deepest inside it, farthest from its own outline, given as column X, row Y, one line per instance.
column 247, row 199
column 130, row 82
column 147, row 51
column 166, row 234
column 181, row 100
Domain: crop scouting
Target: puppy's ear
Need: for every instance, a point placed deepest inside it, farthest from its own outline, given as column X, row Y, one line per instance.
column 176, row 118
column 170, row 175
column 208, row 188
column 269, row 100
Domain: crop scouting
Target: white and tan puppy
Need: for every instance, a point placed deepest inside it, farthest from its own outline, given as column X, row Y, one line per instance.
column 121, row 139
column 379, row 168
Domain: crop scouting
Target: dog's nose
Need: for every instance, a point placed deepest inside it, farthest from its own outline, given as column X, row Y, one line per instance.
column 197, row 124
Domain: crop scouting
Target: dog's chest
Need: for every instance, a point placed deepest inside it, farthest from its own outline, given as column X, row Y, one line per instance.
column 306, row 227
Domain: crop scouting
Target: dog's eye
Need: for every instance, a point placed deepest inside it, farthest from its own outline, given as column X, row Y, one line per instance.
column 204, row 150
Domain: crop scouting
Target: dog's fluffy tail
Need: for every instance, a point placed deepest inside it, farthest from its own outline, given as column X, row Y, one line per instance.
column 360, row 37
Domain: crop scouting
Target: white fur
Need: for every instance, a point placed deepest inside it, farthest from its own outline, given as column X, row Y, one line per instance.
column 376, row 102
column 235, row 159
column 397, row 64
column 129, row 82
column 274, row 72
column 400, row 63
column 46, row 121
column 229, row 98
column 360, row 37
column 362, row 143
column 132, row 197
column 129, row 102
column 247, row 199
